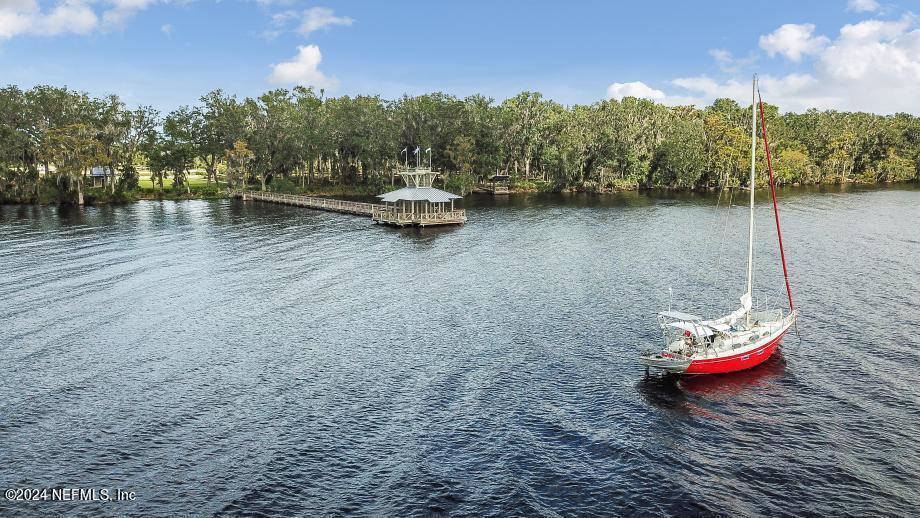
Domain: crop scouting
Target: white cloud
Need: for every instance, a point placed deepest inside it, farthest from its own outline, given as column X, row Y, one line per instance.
column 316, row 18
column 793, row 41
column 641, row 90
column 303, row 69
column 282, row 18
column 708, row 87
column 862, row 6
column 167, row 29
column 634, row 89
column 728, row 62
column 721, row 55
column 16, row 17
column 307, row 21
column 871, row 30
column 20, row 4
column 793, row 92
column 873, row 65
column 68, row 16
column 26, row 17
column 122, row 11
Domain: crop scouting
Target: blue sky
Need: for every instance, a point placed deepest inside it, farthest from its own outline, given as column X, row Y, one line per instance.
column 847, row 54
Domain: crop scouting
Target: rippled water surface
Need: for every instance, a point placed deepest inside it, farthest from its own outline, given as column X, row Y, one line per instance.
column 230, row 357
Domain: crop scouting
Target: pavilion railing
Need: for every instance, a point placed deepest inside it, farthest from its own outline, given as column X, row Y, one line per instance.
column 393, row 215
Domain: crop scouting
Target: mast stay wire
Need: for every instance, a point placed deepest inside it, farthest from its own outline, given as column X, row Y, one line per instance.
column 779, row 234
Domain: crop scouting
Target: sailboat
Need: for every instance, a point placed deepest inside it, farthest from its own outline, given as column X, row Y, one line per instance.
column 744, row 338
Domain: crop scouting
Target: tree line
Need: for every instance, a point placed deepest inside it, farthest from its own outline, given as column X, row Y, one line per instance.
column 50, row 137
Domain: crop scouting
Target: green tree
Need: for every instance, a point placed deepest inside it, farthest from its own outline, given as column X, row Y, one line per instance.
column 238, row 158
column 357, row 140
column 74, row 150
column 138, row 132
column 175, row 151
column 214, row 127
column 680, row 160
column 273, row 135
column 793, row 165
column 894, row 168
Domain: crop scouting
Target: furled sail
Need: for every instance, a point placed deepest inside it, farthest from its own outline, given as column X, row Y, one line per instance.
column 729, row 320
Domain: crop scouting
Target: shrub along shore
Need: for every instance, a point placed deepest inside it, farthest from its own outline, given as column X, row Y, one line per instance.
column 297, row 141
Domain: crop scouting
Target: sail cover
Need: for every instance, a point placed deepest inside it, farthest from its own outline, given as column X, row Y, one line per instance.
column 734, row 316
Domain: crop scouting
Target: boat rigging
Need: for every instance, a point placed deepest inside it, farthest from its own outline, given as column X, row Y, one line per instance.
column 744, row 338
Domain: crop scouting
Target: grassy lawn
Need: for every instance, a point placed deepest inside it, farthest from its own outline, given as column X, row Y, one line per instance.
column 194, row 181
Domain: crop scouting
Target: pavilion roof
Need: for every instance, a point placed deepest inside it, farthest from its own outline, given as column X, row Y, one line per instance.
column 419, row 194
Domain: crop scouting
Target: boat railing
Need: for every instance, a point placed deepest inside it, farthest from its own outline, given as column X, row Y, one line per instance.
column 670, row 354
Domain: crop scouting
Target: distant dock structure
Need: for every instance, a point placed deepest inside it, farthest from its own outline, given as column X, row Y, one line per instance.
column 418, row 203
column 497, row 185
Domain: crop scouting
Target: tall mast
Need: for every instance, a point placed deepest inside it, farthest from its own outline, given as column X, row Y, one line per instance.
column 750, row 272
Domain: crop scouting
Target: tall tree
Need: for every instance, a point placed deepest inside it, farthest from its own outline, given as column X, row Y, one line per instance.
column 74, row 150
column 215, row 126
column 138, row 132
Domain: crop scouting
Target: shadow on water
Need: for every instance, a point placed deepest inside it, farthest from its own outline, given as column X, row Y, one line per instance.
column 419, row 234
column 650, row 197
column 662, row 391
column 677, row 393
column 736, row 383
column 71, row 215
column 23, row 212
column 626, row 199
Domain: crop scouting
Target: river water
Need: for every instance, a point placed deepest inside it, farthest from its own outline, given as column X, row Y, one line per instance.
column 228, row 357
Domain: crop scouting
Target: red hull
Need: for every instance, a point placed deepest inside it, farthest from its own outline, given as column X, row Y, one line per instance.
column 738, row 362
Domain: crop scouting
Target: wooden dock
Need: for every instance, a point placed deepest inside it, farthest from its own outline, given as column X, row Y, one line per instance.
column 312, row 202
column 393, row 216
column 494, row 190
column 378, row 212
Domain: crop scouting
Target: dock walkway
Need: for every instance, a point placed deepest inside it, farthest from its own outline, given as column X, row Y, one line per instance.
column 312, row 202
column 378, row 213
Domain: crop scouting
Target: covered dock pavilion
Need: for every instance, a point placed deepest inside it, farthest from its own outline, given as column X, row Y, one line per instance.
column 418, row 203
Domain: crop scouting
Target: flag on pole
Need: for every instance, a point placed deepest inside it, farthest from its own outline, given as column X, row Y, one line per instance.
column 417, row 149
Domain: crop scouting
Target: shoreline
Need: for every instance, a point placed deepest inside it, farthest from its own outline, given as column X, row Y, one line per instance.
column 119, row 198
